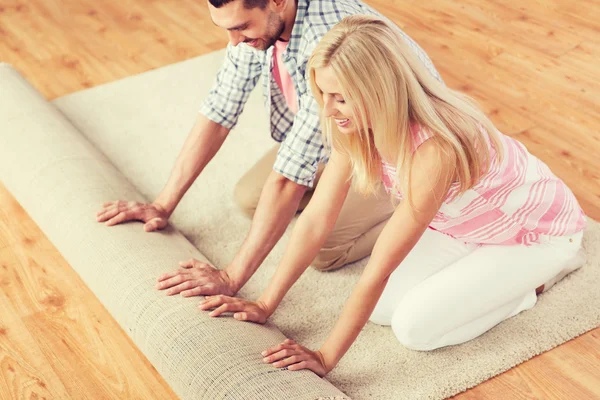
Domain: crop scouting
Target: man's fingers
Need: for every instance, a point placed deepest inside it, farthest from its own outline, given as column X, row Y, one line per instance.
column 197, row 291
column 106, row 214
column 181, row 287
column 175, row 280
column 166, row 276
column 120, row 218
column 152, row 225
column 187, row 263
column 191, row 263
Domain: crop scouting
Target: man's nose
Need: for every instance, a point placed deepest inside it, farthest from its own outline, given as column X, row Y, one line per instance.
column 235, row 38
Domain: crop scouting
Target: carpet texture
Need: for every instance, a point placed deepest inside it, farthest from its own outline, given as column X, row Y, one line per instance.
column 134, row 128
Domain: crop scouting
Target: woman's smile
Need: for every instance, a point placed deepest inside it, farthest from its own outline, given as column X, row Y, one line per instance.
column 342, row 122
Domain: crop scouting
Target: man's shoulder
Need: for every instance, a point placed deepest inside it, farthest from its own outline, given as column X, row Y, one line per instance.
column 322, row 15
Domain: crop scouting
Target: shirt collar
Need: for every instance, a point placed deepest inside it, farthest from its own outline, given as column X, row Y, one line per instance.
column 296, row 36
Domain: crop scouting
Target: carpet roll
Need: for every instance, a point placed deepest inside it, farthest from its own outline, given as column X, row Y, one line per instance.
column 61, row 180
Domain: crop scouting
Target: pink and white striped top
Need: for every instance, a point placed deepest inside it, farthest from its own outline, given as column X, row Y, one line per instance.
column 516, row 202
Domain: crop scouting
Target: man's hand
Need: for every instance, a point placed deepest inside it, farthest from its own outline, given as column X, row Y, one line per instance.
column 196, row 278
column 295, row 357
column 153, row 215
column 244, row 310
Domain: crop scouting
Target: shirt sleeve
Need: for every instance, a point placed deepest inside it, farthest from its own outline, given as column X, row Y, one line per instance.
column 302, row 149
column 235, row 81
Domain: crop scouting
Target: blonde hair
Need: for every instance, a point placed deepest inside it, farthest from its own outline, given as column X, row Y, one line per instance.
column 388, row 87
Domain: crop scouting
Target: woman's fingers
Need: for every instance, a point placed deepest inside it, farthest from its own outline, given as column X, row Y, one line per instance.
column 280, row 355
column 220, row 310
column 243, row 316
column 275, row 349
column 215, row 301
column 227, row 307
column 252, row 316
column 301, row 365
column 294, row 359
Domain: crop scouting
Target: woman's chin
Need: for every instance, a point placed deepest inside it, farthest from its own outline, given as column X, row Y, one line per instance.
column 346, row 130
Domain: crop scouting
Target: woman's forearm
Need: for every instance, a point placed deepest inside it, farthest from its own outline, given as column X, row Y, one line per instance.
column 355, row 315
column 308, row 237
column 393, row 245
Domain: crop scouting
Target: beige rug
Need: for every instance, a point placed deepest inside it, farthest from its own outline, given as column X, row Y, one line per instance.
column 140, row 123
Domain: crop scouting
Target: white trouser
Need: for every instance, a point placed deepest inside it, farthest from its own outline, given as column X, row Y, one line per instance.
column 447, row 292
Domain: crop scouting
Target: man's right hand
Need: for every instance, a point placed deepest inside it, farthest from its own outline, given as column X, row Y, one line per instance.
column 116, row 212
column 196, row 278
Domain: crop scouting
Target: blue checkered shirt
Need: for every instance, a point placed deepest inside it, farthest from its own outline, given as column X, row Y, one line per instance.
column 301, row 147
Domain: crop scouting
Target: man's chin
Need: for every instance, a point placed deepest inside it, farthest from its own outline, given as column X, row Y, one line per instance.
column 258, row 44
column 265, row 44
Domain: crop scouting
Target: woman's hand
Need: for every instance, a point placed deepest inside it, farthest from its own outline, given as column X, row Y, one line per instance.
column 243, row 310
column 295, row 357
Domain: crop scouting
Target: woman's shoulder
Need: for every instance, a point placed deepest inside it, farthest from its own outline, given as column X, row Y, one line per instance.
column 420, row 134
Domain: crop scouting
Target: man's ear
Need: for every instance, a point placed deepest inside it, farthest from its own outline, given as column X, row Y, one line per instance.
column 278, row 5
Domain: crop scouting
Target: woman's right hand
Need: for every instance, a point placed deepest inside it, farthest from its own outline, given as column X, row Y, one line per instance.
column 155, row 217
column 244, row 310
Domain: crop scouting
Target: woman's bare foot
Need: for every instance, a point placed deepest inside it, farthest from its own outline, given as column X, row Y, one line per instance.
column 539, row 290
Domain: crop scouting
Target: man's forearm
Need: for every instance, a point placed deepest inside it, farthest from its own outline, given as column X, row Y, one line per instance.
column 276, row 207
column 201, row 145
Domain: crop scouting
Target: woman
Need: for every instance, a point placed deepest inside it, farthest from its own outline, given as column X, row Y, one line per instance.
column 481, row 226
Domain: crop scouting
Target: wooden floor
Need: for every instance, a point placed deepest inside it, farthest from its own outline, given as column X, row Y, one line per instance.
column 533, row 65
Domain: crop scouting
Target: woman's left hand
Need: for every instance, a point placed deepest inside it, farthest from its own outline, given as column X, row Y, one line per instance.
column 243, row 310
column 295, row 357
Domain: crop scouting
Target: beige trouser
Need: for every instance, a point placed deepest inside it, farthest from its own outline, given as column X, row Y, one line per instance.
column 360, row 222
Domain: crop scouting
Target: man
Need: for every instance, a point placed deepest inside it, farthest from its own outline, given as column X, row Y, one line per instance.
column 272, row 39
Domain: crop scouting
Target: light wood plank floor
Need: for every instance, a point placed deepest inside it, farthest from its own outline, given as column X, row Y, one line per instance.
column 533, row 65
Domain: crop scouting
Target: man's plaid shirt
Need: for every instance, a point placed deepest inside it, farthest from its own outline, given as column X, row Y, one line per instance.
column 300, row 135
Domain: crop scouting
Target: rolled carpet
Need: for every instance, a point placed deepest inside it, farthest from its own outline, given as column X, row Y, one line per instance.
column 61, row 180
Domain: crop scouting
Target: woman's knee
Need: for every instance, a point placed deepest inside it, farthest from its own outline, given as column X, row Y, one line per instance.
column 381, row 315
column 414, row 326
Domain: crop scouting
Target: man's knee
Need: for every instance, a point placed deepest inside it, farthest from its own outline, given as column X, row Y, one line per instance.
column 245, row 198
column 330, row 259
